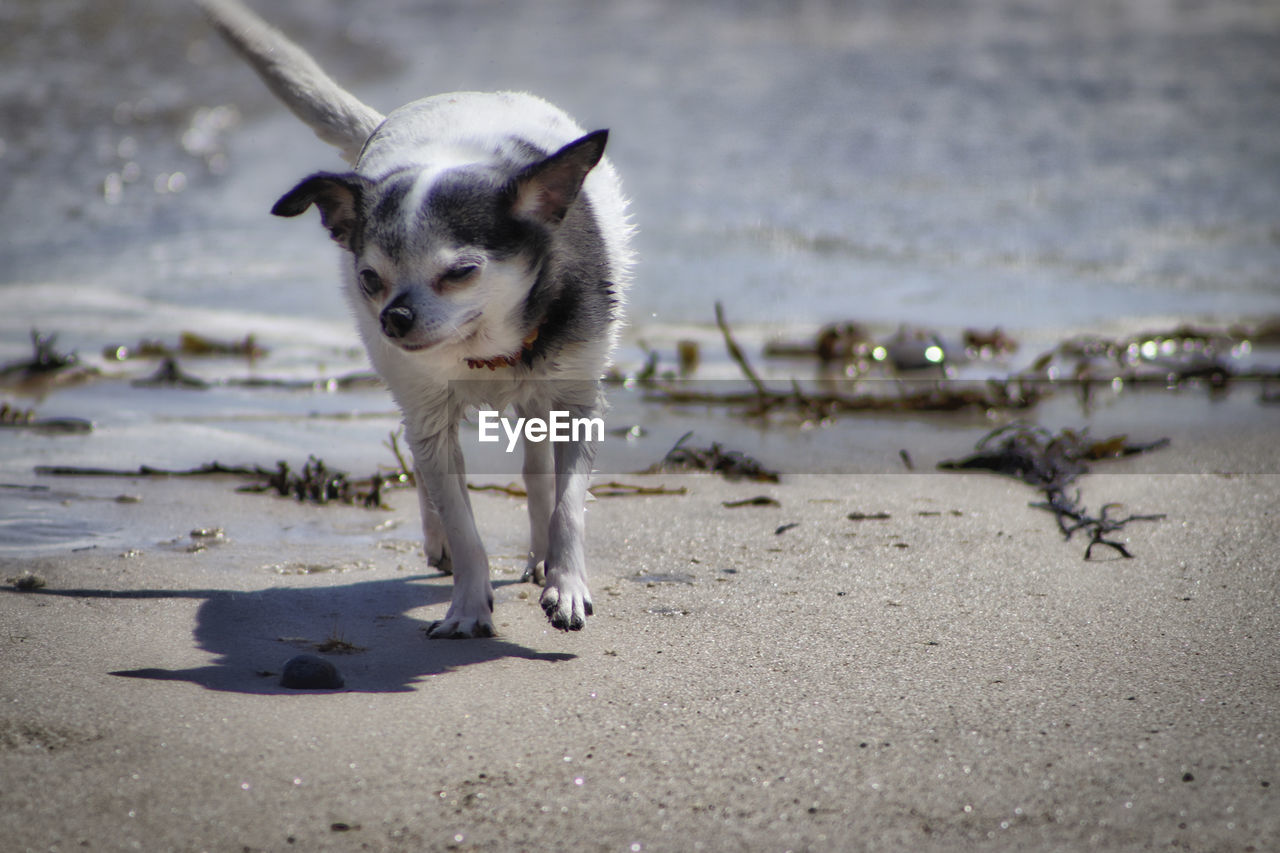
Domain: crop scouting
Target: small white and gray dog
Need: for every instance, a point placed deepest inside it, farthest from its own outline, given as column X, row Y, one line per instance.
column 486, row 255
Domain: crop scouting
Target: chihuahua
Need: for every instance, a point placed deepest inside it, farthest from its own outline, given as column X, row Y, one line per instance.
column 487, row 249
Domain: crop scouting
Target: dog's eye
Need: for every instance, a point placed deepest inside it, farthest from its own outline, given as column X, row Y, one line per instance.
column 370, row 282
column 459, row 273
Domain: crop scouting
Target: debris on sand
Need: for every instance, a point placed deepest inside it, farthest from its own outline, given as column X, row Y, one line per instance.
column 315, row 483
column 45, row 358
column 11, row 417
column 758, row 500
column 46, row 367
column 731, row 463
column 1052, row 463
column 170, row 375
column 189, row 343
column 27, row 582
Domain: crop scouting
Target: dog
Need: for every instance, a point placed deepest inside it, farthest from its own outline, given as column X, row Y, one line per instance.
column 486, row 254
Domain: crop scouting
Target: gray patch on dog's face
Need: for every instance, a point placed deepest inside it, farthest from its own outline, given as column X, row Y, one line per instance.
column 471, row 207
column 465, row 207
column 384, row 226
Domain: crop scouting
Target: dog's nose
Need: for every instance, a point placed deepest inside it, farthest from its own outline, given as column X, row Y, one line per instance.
column 397, row 320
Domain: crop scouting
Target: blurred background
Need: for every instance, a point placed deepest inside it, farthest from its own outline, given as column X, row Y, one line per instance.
column 1009, row 162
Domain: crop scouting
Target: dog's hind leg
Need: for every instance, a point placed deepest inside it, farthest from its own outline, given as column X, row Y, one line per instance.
column 439, row 467
column 566, row 599
column 540, row 487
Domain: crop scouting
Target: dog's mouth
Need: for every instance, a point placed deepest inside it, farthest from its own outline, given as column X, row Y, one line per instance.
column 458, row 334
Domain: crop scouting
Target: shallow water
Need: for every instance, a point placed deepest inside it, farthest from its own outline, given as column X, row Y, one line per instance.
column 1040, row 166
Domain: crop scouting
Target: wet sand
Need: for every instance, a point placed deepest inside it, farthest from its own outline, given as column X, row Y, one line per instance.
column 952, row 677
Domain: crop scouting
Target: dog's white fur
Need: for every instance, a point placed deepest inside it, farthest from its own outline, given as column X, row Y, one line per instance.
column 426, row 368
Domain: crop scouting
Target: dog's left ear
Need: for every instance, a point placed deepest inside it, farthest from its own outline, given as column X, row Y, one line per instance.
column 339, row 198
column 544, row 191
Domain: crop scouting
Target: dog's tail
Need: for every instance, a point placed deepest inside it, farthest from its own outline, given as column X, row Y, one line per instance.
column 337, row 116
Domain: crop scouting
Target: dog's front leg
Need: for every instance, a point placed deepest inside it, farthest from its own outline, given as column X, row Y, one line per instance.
column 566, row 599
column 439, row 467
column 540, row 488
column 435, row 542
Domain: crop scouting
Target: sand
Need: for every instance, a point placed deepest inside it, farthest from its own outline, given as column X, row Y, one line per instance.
column 953, row 677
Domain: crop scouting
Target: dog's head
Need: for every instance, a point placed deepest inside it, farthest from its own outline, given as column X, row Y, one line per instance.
column 445, row 259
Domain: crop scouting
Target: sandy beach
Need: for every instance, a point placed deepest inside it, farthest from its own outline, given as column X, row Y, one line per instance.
column 1094, row 182
column 955, row 676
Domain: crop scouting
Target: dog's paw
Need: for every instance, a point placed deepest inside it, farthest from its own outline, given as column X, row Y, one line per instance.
column 467, row 618
column 535, row 572
column 567, row 602
column 461, row 629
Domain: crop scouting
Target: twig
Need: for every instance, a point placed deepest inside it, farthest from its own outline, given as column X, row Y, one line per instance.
column 406, row 470
column 207, row 469
column 611, row 489
column 614, row 489
column 510, row 489
column 736, row 353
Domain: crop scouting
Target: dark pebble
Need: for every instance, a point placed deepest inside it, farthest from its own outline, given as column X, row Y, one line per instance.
column 308, row 672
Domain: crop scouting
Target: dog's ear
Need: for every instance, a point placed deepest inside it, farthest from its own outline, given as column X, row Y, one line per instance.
column 544, row 191
column 339, row 198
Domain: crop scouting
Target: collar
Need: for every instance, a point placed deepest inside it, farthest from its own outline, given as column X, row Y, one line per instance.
column 510, row 360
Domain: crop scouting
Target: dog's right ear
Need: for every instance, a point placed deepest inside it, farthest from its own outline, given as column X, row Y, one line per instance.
column 339, row 198
column 544, row 191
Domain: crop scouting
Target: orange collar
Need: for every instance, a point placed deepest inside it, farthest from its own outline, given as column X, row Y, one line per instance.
column 505, row 360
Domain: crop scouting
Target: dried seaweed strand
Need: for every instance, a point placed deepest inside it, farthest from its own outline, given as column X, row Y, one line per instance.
column 1052, row 463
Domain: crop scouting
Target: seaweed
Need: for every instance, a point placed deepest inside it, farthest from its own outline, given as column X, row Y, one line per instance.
column 45, row 358
column 47, row 366
column 315, row 483
column 1052, row 463
column 950, row 396
column 170, row 375
column 761, row 400
column 12, row 417
column 841, row 343
column 851, row 343
column 27, row 582
column 730, row 463
column 614, row 489
column 1182, row 356
column 758, row 500
column 319, row 484
column 189, row 343
column 868, row 516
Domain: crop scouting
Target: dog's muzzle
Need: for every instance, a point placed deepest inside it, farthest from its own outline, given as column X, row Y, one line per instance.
column 397, row 320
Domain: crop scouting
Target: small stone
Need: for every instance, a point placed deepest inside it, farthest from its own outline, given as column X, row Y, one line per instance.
column 308, row 672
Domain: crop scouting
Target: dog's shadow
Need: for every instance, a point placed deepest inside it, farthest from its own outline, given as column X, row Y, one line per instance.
column 363, row 628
